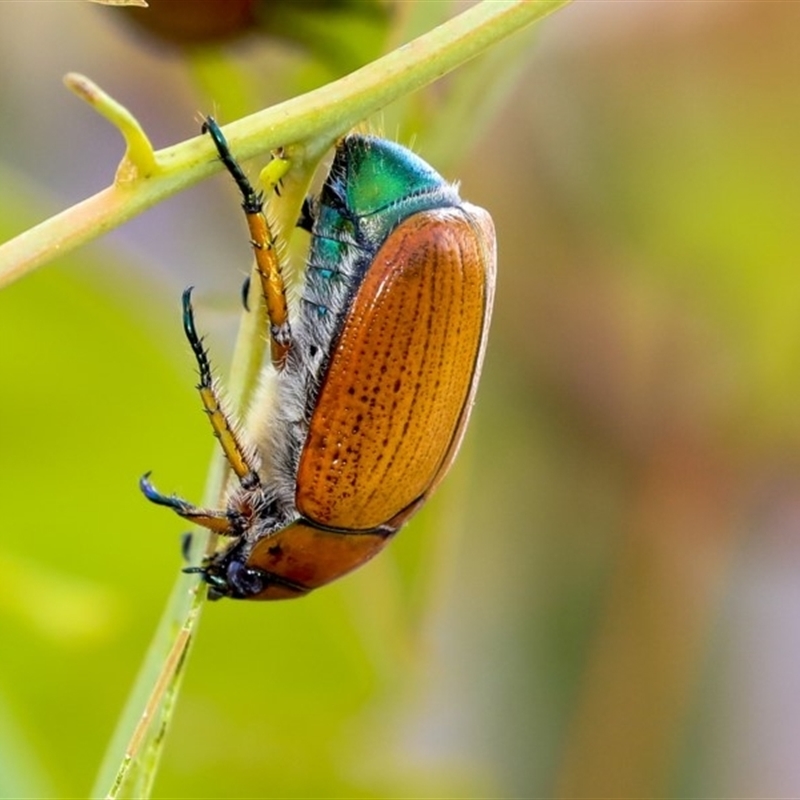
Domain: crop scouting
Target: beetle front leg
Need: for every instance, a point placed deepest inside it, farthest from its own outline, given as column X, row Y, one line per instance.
column 216, row 521
column 268, row 264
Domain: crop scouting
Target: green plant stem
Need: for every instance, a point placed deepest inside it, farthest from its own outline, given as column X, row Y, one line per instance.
column 316, row 119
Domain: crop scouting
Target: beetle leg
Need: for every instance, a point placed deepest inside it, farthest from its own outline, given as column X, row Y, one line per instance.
column 216, row 521
column 267, row 262
column 241, row 462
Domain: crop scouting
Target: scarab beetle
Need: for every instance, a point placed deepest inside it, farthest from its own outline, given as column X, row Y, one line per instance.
column 374, row 378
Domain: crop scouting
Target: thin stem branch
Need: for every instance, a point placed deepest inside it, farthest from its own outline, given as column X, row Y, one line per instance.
column 139, row 160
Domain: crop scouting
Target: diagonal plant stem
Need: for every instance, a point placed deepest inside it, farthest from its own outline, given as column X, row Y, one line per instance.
column 306, row 126
column 315, row 118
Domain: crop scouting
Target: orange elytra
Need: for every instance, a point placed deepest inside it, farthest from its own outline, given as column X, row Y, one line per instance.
column 375, row 375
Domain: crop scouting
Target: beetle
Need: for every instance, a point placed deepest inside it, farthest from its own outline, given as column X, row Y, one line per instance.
column 374, row 375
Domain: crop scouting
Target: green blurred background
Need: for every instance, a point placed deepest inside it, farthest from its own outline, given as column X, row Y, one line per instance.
column 604, row 598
